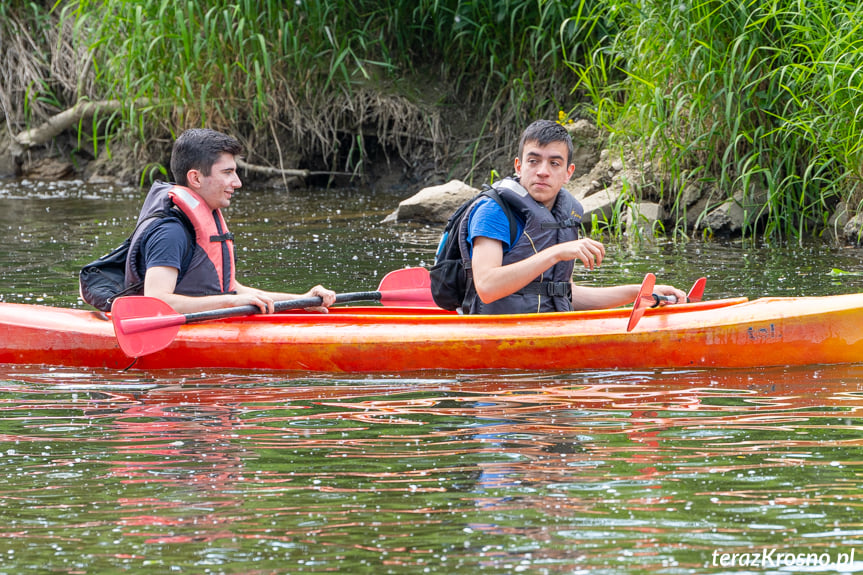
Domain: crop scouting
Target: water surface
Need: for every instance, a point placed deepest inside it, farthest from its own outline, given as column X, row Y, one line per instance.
column 442, row 473
column 705, row 471
column 290, row 241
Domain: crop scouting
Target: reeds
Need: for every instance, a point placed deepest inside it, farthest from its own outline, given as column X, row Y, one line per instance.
column 41, row 70
column 758, row 99
column 761, row 99
column 321, row 73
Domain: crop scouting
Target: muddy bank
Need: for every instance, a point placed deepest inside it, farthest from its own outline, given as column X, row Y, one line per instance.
column 622, row 194
column 634, row 197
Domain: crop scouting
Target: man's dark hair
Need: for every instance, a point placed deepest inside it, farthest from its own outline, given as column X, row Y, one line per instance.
column 544, row 132
column 199, row 149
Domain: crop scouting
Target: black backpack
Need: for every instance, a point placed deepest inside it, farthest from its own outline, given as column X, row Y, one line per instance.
column 449, row 277
column 104, row 280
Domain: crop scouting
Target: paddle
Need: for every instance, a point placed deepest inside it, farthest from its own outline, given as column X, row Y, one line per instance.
column 646, row 298
column 145, row 325
column 694, row 295
column 643, row 300
column 696, row 291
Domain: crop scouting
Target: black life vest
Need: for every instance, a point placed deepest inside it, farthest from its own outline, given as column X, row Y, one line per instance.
column 552, row 290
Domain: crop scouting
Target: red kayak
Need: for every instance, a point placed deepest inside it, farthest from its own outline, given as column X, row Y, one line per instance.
column 714, row 334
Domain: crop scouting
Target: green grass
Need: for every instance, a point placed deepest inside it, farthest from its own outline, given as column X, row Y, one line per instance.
column 327, row 75
column 758, row 99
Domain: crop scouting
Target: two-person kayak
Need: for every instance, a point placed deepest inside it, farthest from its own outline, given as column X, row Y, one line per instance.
column 714, row 334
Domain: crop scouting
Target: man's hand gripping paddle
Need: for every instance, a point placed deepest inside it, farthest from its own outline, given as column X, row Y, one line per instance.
column 646, row 298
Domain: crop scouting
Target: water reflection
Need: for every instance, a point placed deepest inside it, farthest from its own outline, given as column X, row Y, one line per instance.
column 502, row 472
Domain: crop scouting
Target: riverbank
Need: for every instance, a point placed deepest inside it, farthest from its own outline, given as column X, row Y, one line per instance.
column 619, row 194
column 719, row 105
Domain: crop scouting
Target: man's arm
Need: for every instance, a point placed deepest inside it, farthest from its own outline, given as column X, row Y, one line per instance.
column 327, row 296
column 160, row 282
column 588, row 297
column 165, row 250
column 494, row 281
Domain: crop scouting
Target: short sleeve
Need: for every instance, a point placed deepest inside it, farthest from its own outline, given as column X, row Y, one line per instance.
column 488, row 220
column 165, row 245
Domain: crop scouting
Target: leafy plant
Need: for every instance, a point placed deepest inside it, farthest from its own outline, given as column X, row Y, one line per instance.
column 759, row 97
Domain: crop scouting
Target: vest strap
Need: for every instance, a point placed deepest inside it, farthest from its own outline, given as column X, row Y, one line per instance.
column 222, row 237
column 567, row 223
column 551, row 289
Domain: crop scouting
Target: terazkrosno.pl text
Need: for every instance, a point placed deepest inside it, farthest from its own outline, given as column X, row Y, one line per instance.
column 774, row 557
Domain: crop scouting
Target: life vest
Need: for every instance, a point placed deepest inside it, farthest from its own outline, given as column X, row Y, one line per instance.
column 211, row 267
column 552, row 290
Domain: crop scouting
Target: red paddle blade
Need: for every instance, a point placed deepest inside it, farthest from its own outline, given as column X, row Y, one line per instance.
column 697, row 290
column 144, row 325
column 410, row 287
column 643, row 300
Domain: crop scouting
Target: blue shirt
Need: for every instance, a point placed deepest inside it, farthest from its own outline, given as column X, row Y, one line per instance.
column 166, row 244
column 488, row 220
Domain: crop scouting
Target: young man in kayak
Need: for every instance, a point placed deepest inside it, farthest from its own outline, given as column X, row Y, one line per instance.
column 535, row 273
column 181, row 248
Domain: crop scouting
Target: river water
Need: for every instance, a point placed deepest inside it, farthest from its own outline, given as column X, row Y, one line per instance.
column 705, row 471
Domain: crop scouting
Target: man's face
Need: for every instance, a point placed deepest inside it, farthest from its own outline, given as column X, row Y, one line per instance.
column 543, row 170
column 217, row 188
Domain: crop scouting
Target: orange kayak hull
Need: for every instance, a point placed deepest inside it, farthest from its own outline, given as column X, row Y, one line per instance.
column 729, row 333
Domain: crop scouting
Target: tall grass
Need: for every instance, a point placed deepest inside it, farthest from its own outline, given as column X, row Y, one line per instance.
column 268, row 70
column 509, row 55
column 761, row 99
column 40, row 68
column 325, row 75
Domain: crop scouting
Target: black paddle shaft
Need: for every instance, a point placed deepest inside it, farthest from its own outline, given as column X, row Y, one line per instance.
column 284, row 305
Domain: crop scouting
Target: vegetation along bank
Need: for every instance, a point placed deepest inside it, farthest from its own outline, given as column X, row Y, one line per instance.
column 750, row 108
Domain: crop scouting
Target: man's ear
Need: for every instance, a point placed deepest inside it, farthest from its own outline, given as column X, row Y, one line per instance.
column 193, row 179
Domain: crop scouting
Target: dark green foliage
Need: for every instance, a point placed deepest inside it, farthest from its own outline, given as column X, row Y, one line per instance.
column 326, row 73
column 757, row 99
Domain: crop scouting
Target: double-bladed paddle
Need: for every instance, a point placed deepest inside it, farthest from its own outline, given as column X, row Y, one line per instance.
column 643, row 300
column 696, row 291
column 145, row 325
column 646, row 298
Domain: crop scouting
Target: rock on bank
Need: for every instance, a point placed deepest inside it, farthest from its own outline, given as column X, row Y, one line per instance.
column 633, row 197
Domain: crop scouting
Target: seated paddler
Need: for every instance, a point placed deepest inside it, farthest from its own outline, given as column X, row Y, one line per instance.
column 534, row 274
column 182, row 248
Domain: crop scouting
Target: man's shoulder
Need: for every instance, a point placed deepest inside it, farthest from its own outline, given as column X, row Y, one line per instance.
column 487, row 208
column 168, row 229
column 167, row 243
column 499, row 208
column 170, row 222
column 489, row 219
column 486, row 203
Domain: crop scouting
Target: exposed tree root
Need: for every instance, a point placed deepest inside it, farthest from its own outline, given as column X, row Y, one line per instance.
column 56, row 125
column 278, row 172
